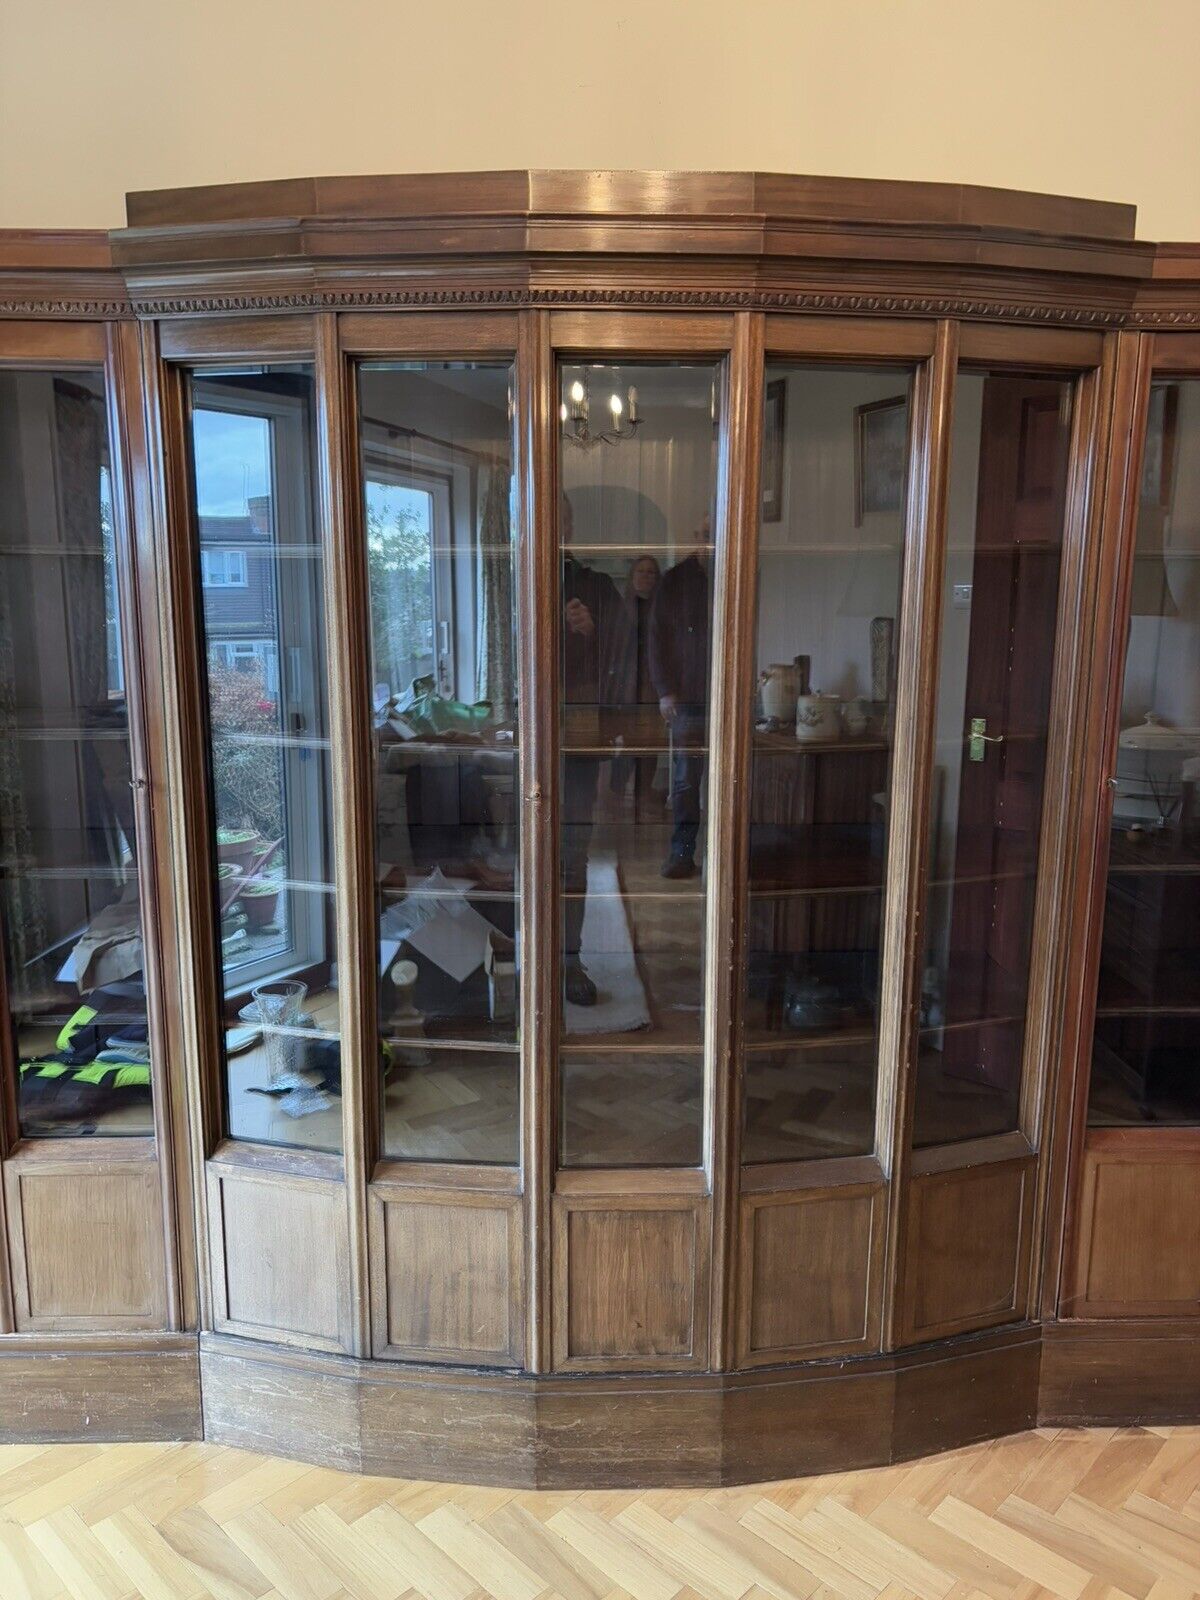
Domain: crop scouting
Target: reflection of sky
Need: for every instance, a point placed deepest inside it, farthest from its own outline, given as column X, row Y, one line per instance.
column 386, row 499
column 233, row 461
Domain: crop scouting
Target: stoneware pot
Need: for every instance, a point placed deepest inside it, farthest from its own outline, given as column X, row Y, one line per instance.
column 817, row 718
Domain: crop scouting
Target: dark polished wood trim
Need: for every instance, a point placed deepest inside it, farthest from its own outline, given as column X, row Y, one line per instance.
column 1113, row 545
column 450, row 335
column 992, row 345
column 536, row 468
column 278, row 338
column 351, row 780
column 116, row 1389
column 624, row 1430
column 133, row 514
column 563, row 192
column 868, row 339
column 58, row 344
column 931, row 424
column 1137, row 1372
column 731, row 717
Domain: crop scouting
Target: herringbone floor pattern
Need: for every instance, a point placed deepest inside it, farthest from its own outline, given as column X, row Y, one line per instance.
column 1072, row 1514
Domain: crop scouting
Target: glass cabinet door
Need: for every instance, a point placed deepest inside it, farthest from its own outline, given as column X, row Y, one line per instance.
column 1010, row 456
column 1146, row 1045
column 71, row 925
column 260, row 556
column 637, row 471
column 436, row 463
column 831, row 544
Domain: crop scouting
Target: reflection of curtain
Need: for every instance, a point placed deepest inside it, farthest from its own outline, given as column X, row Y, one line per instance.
column 79, row 436
column 494, row 668
column 23, row 911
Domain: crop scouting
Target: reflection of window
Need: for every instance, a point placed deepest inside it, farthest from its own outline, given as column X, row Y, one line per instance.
column 257, row 656
column 223, row 569
column 409, row 535
column 252, row 475
column 112, row 591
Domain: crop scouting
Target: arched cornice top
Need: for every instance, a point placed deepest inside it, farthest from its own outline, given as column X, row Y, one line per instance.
column 736, row 240
column 745, row 197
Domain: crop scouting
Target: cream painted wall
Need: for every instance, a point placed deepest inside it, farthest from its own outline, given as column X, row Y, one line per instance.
column 1088, row 97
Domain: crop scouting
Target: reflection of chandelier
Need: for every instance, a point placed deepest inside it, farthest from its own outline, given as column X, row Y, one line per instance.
column 575, row 415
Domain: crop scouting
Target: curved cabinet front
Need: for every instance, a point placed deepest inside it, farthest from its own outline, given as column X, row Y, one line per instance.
column 577, row 800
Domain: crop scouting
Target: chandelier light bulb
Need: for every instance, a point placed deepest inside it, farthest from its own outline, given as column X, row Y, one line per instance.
column 615, row 406
column 577, row 392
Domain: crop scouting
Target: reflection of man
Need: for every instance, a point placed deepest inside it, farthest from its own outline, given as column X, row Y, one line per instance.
column 591, row 607
column 679, row 668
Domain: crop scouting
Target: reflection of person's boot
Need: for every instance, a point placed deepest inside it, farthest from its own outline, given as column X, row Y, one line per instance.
column 678, row 867
column 581, row 991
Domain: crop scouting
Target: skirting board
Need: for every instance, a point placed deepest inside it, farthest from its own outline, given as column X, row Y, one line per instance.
column 618, row 1430
column 118, row 1390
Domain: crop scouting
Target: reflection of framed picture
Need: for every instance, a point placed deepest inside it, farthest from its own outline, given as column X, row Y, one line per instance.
column 1158, row 468
column 880, row 456
column 772, row 461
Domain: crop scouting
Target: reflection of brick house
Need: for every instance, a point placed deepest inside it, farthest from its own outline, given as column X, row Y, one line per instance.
column 237, row 570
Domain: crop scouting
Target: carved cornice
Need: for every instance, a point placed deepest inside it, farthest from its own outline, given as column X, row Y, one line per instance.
column 970, row 308
column 484, row 298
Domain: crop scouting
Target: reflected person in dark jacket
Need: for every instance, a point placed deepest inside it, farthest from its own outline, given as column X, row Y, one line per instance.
column 679, row 644
column 593, row 676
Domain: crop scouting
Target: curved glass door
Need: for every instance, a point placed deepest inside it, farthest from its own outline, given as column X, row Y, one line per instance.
column 637, row 469
column 1146, row 1045
column 69, row 870
column 260, row 572
column 437, row 485
column 1010, row 454
column 831, row 549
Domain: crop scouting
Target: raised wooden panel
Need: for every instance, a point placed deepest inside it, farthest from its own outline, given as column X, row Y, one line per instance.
column 967, row 1255
column 278, row 1257
column 630, row 1283
column 1137, row 1241
column 809, row 1273
column 446, row 1277
column 86, row 1244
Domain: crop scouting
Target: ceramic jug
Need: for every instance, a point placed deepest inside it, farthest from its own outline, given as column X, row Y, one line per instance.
column 779, row 685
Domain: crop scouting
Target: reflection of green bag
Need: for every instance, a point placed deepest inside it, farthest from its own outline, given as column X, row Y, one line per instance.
column 429, row 715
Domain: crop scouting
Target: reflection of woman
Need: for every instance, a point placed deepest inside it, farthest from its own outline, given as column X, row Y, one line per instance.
column 637, row 595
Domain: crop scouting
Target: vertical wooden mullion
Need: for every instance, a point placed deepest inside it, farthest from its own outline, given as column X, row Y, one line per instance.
column 730, row 720
column 909, row 789
column 167, row 550
column 537, row 694
column 145, row 696
column 1096, row 685
column 347, row 614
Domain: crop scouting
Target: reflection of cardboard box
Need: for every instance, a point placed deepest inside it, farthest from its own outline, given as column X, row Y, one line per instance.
column 500, row 964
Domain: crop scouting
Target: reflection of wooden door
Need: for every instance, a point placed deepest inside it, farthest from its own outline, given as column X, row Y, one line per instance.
column 1023, row 457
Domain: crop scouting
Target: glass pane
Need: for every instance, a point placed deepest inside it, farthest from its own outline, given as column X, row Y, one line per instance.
column 261, row 574
column 637, row 467
column 1010, row 452
column 831, row 546
column 437, row 477
column 1146, row 1050
column 71, row 927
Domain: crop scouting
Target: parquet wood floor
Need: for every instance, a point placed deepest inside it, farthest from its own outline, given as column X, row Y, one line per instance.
column 1073, row 1514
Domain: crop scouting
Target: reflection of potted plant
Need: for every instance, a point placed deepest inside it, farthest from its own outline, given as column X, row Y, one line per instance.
column 238, row 846
column 260, row 902
column 229, row 876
